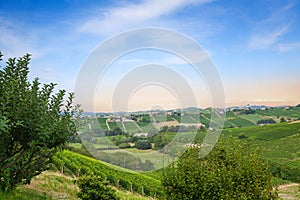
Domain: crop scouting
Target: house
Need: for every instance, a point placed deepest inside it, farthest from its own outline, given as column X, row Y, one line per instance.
column 140, row 135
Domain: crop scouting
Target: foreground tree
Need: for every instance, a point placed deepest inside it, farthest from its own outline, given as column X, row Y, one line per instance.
column 230, row 171
column 34, row 123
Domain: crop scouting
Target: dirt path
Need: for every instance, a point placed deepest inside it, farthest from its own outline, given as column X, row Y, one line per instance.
column 138, row 126
column 281, row 187
column 106, row 122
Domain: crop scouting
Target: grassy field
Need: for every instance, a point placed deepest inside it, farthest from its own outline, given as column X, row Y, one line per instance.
column 131, row 127
column 282, row 112
column 146, row 127
column 102, row 123
column 240, row 122
column 162, row 118
column 112, row 125
column 269, row 132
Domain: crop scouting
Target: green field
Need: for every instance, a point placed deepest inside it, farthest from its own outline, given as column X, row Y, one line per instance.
column 131, row 127
column 112, row 125
column 281, row 112
column 102, row 123
column 240, row 122
column 162, row 118
column 146, row 127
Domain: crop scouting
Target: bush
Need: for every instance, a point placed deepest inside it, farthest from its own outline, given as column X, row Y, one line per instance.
column 266, row 121
column 230, row 171
column 143, row 144
column 92, row 187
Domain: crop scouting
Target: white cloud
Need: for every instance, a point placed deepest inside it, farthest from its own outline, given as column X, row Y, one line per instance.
column 265, row 40
column 284, row 47
column 16, row 43
column 130, row 16
column 269, row 31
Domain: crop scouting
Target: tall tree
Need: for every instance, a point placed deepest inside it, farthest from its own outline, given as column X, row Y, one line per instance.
column 34, row 123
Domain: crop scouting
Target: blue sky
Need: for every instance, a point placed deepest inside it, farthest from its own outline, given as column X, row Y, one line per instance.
column 255, row 45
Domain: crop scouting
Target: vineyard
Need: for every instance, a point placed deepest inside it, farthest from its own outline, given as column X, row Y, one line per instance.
column 119, row 177
column 131, row 127
column 279, row 144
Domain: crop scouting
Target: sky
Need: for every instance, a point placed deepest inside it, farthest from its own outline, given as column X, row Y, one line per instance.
column 254, row 46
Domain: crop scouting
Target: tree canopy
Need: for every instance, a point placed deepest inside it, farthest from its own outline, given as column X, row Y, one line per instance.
column 230, row 171
column 34, row 123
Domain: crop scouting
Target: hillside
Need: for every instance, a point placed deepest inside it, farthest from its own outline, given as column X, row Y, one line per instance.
column 279, row 144
column 119, row 177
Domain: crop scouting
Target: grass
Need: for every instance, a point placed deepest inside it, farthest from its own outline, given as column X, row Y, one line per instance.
column 120, row 125
column 252, row 117
column 282, row 112
column 267, row 133
column 47, row 185
column 146, row 127
column 131, row 127
column 240, row 122
column 162, row 118
column 75, row 145
column 102, row 123
column 113, row 125
column 289, row 191
column 52, row 185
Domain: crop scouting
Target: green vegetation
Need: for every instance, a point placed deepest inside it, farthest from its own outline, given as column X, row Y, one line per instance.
column 270, row 132
column 283, row 112
column 140, row 183
column 113, row 125
column 102, row 123
column 34, row 123
column 230, row 171
column 279, row 144
column 93, row 187
column 240, row 122
column 161, row 117
column 266, row 121
column 131, row 127
column 143, row 144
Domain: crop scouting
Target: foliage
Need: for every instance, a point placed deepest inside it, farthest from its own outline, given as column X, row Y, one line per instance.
column 230, row 171
column 93, row 187
column 266, row 121
column 34, row 123
column 89, row 166
column 143, row 144
column 267, row 133
column 279, row 144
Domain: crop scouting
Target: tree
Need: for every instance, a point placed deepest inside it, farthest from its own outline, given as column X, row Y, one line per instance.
column 143, row 144
column 282, row 120
column 34, row 123
column 92, row 187
column 230, row 171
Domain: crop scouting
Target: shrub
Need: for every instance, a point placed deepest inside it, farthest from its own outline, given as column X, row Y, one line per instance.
column 92, row 187
column 143, row 144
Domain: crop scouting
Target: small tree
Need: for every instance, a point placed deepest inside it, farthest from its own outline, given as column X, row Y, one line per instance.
column 230, row 171
column 143, row 144
column 92, row 187
column 34, row 123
